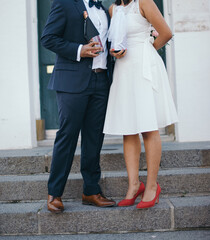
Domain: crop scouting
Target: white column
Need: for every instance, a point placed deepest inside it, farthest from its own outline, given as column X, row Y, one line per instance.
column 170, row 55
column 18, row 76
column 33, row 58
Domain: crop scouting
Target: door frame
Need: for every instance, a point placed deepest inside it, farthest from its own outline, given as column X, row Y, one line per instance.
column 170, row 53
column 170, row 59
column 33, row 65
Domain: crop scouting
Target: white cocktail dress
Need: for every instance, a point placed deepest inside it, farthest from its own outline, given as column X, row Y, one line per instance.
column 140, row 97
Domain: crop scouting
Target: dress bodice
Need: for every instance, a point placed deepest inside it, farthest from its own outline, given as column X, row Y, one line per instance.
column 137, row 27
column 138, row 31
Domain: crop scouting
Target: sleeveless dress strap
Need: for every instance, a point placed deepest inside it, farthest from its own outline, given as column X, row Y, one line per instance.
column 137, row 9
column 113, row 9
column 137, row 6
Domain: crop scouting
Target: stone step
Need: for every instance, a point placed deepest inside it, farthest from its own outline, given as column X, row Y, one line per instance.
column 114, row 184
column 165, row 235
column 38, row 160
column 169, row 215
column 108, row 139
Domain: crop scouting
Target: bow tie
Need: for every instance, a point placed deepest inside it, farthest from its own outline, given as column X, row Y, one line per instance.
column 96, row 3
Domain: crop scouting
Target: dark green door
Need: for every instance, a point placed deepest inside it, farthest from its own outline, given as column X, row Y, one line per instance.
column 49, row 110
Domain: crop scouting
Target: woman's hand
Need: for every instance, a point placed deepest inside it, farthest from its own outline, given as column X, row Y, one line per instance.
column 118, row 55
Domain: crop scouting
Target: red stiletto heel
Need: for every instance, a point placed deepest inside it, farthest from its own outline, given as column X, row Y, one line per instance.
column 130, row 202
column 150, row 204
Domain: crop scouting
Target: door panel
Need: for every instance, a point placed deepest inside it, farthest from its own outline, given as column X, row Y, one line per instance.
column 49, row 110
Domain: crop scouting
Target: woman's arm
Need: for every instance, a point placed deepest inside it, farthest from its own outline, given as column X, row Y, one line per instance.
column 151, row 12
column 110, row 10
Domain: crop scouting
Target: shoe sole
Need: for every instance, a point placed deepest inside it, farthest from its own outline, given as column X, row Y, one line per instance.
column 147, row 207
column 92, row 204
column 56, row 211
column 126, row 205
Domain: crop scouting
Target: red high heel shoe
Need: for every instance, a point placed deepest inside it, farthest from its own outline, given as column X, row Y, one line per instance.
column 150, row 204
column 130, row 202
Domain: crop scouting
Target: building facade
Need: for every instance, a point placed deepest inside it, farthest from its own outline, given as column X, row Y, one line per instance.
column 25, row 69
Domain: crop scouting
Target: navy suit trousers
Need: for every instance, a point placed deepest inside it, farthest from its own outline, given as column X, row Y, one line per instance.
column 83, row 111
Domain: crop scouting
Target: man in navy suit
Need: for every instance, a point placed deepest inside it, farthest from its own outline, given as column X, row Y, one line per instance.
column 81, row 79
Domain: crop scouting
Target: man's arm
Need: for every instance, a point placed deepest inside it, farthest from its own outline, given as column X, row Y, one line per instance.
column 52, row 37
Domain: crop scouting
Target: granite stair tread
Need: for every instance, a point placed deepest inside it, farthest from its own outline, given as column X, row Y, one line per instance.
column 33, row 218
column 173, row 181
column 162, row 235
column 38, row 160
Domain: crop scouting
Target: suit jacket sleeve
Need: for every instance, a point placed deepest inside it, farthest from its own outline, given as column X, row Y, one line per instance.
column 52, row 37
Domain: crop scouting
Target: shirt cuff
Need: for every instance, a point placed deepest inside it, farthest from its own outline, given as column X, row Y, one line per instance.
column 78, row 52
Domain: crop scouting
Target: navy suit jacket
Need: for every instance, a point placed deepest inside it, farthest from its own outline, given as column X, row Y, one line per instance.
column 63, row 33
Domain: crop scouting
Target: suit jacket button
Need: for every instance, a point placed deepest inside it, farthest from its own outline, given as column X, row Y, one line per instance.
column 90, row 66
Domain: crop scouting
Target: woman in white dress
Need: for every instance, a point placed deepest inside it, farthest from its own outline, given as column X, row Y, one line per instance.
column 140, row 98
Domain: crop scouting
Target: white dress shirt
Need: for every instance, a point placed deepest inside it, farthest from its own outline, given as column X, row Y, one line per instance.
column 99, row 19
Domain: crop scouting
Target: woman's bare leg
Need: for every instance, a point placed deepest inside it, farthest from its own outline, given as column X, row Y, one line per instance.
column 152, row 144
column 132, row 150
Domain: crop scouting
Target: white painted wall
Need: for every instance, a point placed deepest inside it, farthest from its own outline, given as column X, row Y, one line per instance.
column 17, row 112
column 192, row 64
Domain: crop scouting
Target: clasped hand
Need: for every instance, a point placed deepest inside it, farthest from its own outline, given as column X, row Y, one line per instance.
column 90, row 50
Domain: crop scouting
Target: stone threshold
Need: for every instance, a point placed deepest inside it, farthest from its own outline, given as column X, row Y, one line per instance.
column 108, row 140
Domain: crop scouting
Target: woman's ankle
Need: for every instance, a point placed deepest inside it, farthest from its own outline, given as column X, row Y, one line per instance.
column 134, row 184
column 151, row 186
column 132, row 190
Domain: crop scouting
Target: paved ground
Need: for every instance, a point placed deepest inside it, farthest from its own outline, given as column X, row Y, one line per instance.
column 179, row 235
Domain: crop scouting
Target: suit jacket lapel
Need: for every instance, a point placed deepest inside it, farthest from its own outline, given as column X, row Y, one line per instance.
column 80, row 6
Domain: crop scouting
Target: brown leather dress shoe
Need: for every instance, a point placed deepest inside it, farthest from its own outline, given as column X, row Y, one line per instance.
column 54, row 204
column 97, row 200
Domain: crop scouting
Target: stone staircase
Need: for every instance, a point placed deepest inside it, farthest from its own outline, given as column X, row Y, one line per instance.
column 184, row 204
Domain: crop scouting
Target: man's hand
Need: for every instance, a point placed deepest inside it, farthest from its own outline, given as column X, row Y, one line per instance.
column 89, row 50
column 118, row 55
